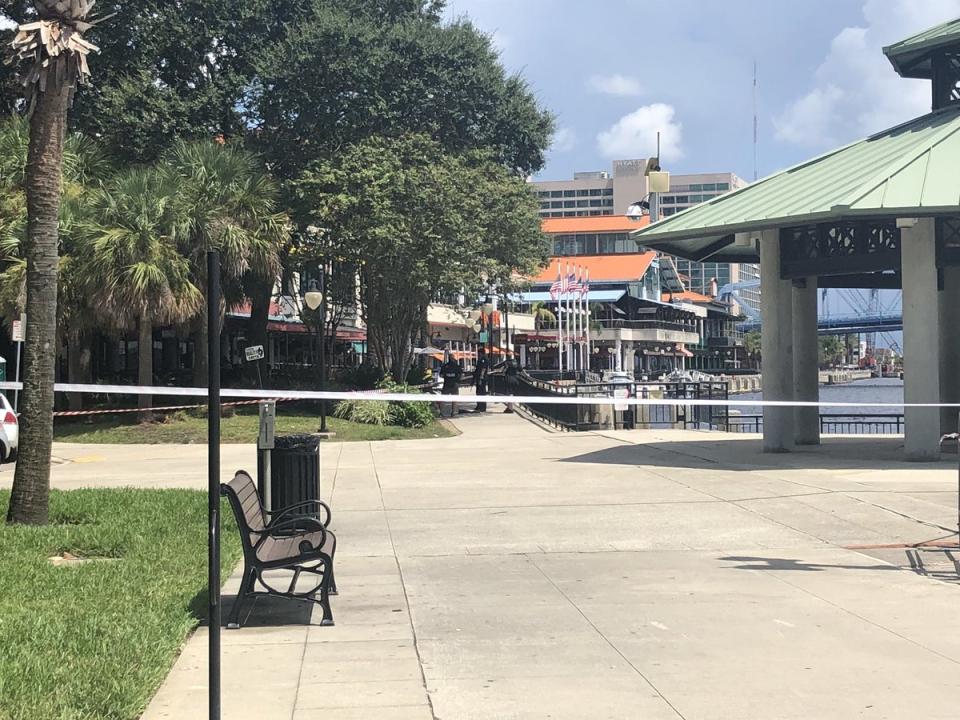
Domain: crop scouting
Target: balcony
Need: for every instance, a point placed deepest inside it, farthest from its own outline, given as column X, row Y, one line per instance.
column 721, row 341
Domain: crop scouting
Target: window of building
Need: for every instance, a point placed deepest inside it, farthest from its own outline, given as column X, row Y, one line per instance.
column 667, row 212
column 695, row 188
column 584, row 193
column 543, row 194
column 608, row 192
column 556, row 204
column 569, row 203
column 682, row 199
column 583, row 203
column 596, row 203
column 556, row 193
column 544, row 205
column 556, row 214
column 569, row 214
column 694, row 199
column 667, row 199
column 569, row 193
column 608, row 203
column 723, row 186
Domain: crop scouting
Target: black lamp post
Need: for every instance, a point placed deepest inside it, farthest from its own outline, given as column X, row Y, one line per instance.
column 317, row 298
column 213, row 477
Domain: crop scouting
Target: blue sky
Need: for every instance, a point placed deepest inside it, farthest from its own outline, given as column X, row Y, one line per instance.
column 616, row 71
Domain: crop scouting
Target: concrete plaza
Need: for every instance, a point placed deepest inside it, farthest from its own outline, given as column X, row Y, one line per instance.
column 515, row 573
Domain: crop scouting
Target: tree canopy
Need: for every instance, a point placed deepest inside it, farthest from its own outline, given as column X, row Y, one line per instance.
column 420, row 224
column 298, row 79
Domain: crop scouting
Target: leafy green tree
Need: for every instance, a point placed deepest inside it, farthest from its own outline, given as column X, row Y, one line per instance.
column 133, row 259
column 831, row 350
column 420, row 223
column 752, row 343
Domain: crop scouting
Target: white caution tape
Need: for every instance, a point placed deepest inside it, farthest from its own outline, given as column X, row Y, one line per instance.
column 460, row 399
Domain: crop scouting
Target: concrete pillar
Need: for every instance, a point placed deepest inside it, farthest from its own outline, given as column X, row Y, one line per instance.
column 777, row 340
column 921, row 340
column 806, row 377
column 950, row 348
column 618, row 351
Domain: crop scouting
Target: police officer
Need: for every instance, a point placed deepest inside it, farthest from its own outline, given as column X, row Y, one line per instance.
column 450, row 372
column 480, row 374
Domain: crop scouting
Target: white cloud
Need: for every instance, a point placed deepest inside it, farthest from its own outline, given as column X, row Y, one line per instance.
column 564, row 140
column 635, row 135
column 619, row 85
column 856, row 91
column 6, row 23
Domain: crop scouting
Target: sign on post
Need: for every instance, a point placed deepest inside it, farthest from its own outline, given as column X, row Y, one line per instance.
column 254, row 352
column 18, row 329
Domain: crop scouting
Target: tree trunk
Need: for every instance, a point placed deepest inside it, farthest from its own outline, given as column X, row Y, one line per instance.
column 78, row 366
column 30, row 499
column 145, row 364
column 261, row 294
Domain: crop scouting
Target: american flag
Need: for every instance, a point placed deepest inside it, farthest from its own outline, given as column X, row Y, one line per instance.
column 573, row 284
column 559, row 286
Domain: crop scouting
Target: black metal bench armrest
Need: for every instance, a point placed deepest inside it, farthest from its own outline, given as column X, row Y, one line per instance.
column 303, row 525
column 275, row 515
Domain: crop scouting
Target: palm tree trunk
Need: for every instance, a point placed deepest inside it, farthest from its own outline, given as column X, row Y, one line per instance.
column 145, row 364
column 29, row 502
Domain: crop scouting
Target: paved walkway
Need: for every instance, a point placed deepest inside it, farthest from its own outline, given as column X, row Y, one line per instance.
column 514, row 573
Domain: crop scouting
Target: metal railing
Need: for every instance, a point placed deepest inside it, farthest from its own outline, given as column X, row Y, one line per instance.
column 832, row 424
column 577, row 417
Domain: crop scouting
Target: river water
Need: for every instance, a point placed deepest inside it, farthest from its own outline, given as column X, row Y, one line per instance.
column 861, row 392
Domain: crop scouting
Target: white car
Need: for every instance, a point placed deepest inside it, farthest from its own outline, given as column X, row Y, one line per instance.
column 10, row 435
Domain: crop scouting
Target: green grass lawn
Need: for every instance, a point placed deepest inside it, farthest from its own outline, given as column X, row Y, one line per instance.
column 94, row 641
column 241, row 428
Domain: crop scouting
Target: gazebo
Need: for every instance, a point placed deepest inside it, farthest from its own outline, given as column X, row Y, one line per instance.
column 883, row 212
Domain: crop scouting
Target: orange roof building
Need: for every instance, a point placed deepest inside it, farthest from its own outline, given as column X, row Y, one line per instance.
column 600, row 224
column 602, row 268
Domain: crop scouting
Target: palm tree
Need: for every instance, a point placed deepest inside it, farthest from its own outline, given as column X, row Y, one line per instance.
column 227, row 201
column 133, row 259
column 57, row 55
column 85, row 166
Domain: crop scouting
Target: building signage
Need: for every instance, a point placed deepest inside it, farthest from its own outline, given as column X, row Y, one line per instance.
column 19, row 327
column 255, row 352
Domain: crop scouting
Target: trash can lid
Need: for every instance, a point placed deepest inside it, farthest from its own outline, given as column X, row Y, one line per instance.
column 296, row 442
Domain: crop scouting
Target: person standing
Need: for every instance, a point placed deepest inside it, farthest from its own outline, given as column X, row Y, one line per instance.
column 480, row 378
column 512, row 375
column 450, row 373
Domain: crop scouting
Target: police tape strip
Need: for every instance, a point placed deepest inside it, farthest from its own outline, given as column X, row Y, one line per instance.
column 167, row 408
column 461, row 399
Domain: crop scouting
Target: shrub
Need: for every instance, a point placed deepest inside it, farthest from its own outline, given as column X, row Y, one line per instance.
column 411, row 414
column 366, row 412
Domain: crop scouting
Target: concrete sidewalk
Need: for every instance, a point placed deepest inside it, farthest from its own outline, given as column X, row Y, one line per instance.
column 514, row 573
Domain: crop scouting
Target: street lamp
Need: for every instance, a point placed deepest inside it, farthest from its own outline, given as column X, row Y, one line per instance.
column 315, row 298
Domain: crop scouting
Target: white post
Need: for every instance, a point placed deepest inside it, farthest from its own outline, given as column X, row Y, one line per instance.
column 950, row 348
column 806, row 377
column 921, row 339
column 618, row 350
column 777, row 339
column 560, row 317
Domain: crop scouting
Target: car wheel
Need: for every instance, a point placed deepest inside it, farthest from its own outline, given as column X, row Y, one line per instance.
column 12, row 458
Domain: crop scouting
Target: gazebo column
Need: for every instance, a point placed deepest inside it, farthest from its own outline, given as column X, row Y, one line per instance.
column 777, row 346
column 921, row 339
column 950, row 348
column 806, row 374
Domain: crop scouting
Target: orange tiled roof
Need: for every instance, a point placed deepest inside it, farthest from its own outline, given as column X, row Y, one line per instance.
column 602, row 268
column 596, row 224
column 688, row 296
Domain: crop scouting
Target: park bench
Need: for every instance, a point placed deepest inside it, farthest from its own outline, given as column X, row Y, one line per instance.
column 281, row 540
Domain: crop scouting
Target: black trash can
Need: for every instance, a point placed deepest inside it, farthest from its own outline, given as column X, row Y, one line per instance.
column 294, row 473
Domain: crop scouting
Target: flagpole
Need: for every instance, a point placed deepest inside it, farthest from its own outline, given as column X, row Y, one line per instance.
column 577, row 319
column 560, row 317
column 571, row 360
column 589, row 339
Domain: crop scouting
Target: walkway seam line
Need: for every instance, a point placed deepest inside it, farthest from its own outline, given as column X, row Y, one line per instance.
column 403, row 582
column 605, row 638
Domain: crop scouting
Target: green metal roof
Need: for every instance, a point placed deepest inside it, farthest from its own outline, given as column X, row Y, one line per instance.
column 912, row 57
column 908, row 171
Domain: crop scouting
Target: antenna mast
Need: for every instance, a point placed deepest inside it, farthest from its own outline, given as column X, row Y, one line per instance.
column 756, row 125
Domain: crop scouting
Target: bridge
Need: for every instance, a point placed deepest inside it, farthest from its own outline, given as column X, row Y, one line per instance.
column 869, row 314
column 847, row 324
